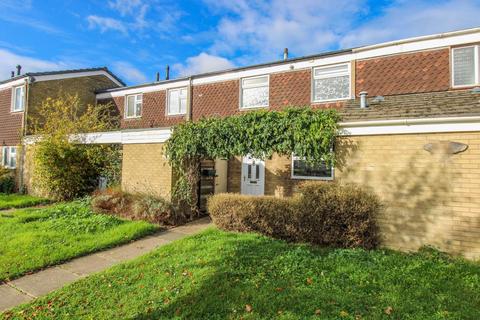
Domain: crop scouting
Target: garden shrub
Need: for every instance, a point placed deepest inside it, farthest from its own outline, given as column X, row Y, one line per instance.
column 7, row 181
column 328, row 214
column 137, row 207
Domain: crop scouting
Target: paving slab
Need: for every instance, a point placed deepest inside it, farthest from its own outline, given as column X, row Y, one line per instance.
column 44, row 281
column 11, row 297
column 87, row 265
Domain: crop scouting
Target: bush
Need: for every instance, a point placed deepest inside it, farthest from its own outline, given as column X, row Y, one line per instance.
column 7, row 181
column 327, row 214
column 137, row 207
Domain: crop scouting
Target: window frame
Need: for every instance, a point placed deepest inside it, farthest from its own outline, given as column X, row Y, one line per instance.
column 242, row 87
column 168, row 102
column 14, row 98
column 7, row 157
column 135, row 116
column 476, row 58
column 297, row 177
column 348, row 72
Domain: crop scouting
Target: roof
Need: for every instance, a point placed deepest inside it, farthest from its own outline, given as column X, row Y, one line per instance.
column 419, row 105
column 59, row 72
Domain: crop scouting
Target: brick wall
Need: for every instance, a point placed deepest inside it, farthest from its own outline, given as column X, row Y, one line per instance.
column 216, row 99
column 154, row 112
column 425, row 71
column 84, row 87
column 10, row 123
column 145, row 170
column 430, row 199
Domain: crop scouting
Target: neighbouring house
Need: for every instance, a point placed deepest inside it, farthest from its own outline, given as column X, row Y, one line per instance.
column 21, row 94
column 410, row 131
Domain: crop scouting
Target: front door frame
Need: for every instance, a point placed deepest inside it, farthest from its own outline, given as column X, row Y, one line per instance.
column 247, row 182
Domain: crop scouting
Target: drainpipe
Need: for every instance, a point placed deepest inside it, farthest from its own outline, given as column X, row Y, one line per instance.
column 24, row 134
column 189, row 116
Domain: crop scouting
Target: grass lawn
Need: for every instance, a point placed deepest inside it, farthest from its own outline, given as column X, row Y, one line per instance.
column 219, row 275
column 31, row 239
column 8, row 201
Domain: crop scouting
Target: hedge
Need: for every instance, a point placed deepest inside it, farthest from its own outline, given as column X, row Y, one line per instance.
column 327, row 214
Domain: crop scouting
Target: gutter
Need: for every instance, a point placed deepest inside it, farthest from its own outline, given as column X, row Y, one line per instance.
column 408, row 122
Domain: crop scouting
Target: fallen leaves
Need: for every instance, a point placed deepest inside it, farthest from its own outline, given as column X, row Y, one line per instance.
column 248, row 308
column 388, row 310
column 309, row 280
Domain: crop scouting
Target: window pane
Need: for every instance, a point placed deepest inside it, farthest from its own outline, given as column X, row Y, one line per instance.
column 5, row 156
column 255, row 97
column 13, row 157
column 18, row 99
column 138, row 109
column 130, row 106
column 173, row 101
column 332, row 88
column 331, row 71
column 261, row 81
column 464, row 66
column 302, row 169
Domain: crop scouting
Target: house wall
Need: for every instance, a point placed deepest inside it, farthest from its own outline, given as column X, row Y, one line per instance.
column 146, row 170
column 10, row 122
column 430, row 199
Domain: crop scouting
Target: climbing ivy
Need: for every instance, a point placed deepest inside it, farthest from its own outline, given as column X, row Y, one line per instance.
column 304, row 131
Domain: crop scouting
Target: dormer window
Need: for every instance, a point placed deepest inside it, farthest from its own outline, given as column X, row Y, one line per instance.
column 133, row 106
column 18, row 102
column 465, row 69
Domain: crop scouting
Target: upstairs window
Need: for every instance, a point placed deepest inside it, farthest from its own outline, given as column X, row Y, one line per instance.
column 331, row 83
column 18, row 103
column 177, row 101
column 254, row 92
column 301, row 169
column 133, row 106
column 465, row 68
column 9, row 157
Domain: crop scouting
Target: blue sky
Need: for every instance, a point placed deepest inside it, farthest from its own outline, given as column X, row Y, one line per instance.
column 137, row 38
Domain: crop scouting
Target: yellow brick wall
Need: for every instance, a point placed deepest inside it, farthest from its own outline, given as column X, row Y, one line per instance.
column 430, row 199
column 146, row 170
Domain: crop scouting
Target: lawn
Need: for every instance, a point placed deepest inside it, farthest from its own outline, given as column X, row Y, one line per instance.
column 8, row 201
column 31, row 239
column 219, row 275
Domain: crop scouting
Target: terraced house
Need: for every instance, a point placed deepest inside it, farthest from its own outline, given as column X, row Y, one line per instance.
column 22, row 94
column 410, row 131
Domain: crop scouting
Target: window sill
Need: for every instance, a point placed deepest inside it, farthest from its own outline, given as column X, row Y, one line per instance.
column 18, row 111
column 253, row 108
column 311, row 178
column 329, row 101
column 132, row 118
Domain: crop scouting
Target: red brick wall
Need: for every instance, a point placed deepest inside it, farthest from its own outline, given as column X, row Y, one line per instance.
column 425, row 71
column 10, row 123
column 153, row 112
column 290, row 89
column 216, row 99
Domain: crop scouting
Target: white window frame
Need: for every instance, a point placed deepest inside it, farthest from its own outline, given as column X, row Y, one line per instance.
column 6, row 156
column 14, row 98
column 296, row 177
column 258, row 86
column 168, row 102
column 135, row 116
column 476, row 56
column 348, row 72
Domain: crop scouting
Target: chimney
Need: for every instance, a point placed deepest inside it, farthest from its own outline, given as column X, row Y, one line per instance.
column 158, row 76
column 363, row 99
column 19, row 69
column 285, row 54
column 167, row 72
column 13, row 74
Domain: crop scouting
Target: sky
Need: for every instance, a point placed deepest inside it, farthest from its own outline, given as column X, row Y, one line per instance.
column 137, row 38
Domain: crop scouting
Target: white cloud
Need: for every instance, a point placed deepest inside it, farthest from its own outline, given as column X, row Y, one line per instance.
column 10, row 60
column 202, row 63
column 403, row 19
column 260, row 30
column 106, row 24
column 125, row 6
column 129, row 72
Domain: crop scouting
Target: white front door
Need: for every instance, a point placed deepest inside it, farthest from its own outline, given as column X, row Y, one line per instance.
column 253, row 176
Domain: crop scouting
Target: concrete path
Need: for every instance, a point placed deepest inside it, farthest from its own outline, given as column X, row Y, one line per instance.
column 38, row 284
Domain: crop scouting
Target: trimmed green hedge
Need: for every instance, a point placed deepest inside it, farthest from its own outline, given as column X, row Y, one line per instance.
column 326, row 214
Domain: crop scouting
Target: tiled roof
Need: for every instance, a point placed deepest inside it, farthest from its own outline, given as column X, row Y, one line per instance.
column 456, row 103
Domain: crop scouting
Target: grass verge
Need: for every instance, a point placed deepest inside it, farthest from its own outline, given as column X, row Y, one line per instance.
column 10, row 201
column 220, row 275
column 32, row 239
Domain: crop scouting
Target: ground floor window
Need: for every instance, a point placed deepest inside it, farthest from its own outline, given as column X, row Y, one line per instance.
column 301, row 169
column 9, row 157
